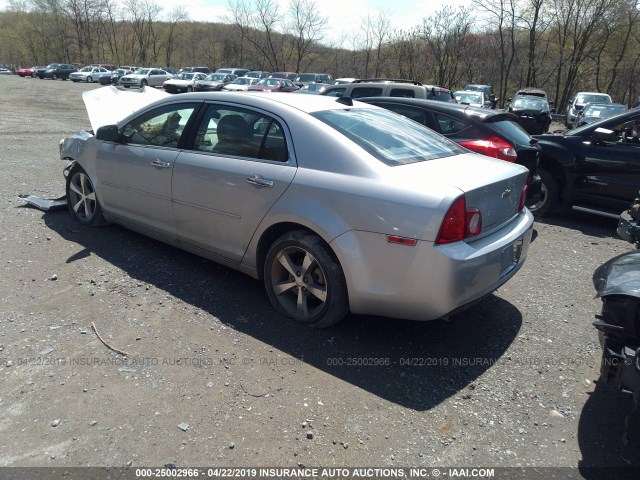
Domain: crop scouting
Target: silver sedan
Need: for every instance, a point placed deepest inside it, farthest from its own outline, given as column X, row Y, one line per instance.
column 336, row 205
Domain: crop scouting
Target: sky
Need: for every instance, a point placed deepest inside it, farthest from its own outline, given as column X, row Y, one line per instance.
column 344, row 16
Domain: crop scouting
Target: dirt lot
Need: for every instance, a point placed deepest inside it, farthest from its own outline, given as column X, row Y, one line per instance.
column 511, row 382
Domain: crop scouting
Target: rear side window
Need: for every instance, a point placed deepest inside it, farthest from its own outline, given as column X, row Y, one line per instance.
column 448, row 125
column 359, row 92
column 402, row 92
column 335, row 92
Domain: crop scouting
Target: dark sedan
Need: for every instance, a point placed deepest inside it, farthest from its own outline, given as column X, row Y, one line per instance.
column 594, row 168
column 489, row 132
column 533, row 113
column 115, row 76
column 56, row 71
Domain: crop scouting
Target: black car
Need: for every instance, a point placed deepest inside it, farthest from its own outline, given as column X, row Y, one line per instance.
column 594, row 168
column 115, row 76
column 533, row 113
column 56, row 71
column 489, row 132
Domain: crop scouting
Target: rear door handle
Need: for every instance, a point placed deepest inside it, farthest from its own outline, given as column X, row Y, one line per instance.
column 159, row 164
column 259, row 181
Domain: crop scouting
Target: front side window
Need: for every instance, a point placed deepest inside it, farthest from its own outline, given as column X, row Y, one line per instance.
column 240, row 132
column 388, row 137
column 162, row 127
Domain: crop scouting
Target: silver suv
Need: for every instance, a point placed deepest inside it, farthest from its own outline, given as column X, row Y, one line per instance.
column 380, row 87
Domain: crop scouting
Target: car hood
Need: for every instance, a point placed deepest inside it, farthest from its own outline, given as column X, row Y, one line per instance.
column 108, row 105
column 619, row 276
column 175, row 81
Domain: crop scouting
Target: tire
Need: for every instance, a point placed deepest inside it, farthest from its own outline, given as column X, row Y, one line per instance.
column 89, row 79
column 81, row 199
column 549, row 191
column 143, row 83
column 54, row 76
column 189, row 89
column 316, row 295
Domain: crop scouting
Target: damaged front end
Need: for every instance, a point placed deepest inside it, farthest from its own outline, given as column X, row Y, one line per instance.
column 618, row 285
column 105, row 106
column 629, row 224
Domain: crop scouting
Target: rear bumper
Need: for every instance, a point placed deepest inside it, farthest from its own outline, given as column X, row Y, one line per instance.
column 427, row 281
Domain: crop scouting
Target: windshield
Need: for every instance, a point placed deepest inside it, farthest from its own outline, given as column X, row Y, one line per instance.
column 468, row 97
column 216, row 77
column 185, row 76
column 530, row 103
column 306, row 78
column 53, row 65
column 269, row 82
column 389, row 137
column 603, row 110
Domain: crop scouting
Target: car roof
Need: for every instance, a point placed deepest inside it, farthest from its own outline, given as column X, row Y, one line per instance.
column 480, row 114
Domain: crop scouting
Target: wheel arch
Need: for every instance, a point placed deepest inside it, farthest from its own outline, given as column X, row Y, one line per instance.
column 553, row 166
column 274, row 232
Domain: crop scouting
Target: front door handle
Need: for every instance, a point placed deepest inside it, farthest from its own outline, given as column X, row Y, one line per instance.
column 159, row 164
column 259, row 181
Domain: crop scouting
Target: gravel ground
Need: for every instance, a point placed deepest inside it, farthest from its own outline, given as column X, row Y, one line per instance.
column 215, row 377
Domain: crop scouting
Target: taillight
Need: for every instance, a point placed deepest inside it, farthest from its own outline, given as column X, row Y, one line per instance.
column 459, row 223
column 492, row 147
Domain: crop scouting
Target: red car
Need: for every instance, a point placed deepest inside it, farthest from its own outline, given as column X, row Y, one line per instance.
column 274, row 85
column 27, row 72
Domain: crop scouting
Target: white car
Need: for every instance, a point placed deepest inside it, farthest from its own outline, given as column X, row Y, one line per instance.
column 241, row 84
column 472, row 98
column 183, row 82
column 89, row 74
column 153, row 77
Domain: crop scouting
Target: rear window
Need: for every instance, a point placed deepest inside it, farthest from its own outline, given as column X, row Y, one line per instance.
column 582, row 99
column 512, row 131
column 440, row 96
column 389, row 137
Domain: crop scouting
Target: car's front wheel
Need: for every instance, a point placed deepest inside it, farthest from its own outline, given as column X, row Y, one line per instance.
column 144, row 83
column 304, row 280
column 89, row 79
column 189, row 89
column 81, row 198
column 549, row 191
column 54, row 76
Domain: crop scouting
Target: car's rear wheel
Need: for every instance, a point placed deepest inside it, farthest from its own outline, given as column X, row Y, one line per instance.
column 549, row 194
column 81, row 198
column 304, row 280
column 54, row 76
column 89, row 79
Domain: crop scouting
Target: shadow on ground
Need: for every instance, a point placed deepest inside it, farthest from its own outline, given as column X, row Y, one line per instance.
column 606, row 453
column 417, row 359
column 592, row 225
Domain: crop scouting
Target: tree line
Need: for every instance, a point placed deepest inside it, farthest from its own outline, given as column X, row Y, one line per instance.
column 562, row 46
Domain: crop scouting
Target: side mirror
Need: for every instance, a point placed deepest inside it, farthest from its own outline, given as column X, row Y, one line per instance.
column 601, row 135
column 108, row 133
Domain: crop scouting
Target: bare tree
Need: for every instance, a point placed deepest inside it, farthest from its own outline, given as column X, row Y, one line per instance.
column 307, row 28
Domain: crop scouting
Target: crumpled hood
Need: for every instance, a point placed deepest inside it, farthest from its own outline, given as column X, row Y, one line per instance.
column 619, row 276
column 109, row 105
